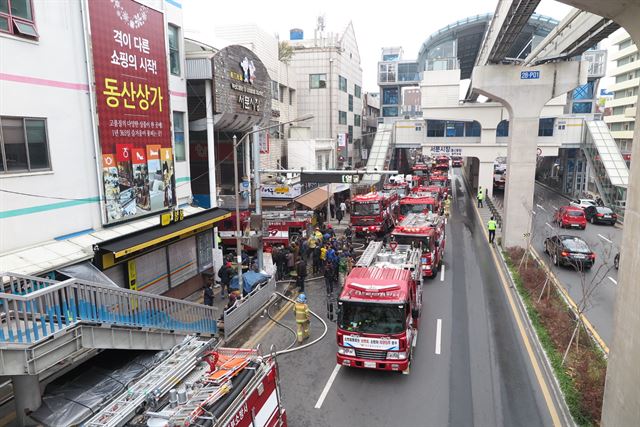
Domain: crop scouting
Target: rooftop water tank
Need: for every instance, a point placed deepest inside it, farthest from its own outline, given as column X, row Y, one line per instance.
column 296, row 34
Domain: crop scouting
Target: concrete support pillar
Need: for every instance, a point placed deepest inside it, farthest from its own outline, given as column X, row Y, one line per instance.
column 485, row 177
column 488, row 135
column 621, row 405
column 27, row 396
column 524, row 92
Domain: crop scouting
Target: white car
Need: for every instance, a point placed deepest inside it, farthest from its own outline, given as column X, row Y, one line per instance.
column 583, row 203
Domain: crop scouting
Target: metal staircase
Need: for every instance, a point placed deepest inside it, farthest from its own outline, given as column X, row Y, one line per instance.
column 609, row 168
column 46, row 322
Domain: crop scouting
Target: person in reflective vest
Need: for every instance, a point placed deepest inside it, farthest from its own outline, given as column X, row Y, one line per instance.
column 301, row 311
column 491, row 226
column 447, row 206
column 480, row 196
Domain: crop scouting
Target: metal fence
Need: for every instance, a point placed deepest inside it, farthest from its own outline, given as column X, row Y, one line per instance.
column 246, row 307
column 34, row 311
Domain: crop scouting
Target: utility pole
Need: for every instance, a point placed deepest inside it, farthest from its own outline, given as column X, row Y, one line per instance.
column 255, row 152
column 237, row 197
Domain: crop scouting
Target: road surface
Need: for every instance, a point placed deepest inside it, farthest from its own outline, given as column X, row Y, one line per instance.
column 474, row 370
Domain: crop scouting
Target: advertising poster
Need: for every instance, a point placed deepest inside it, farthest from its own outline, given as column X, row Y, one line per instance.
column 132, row 96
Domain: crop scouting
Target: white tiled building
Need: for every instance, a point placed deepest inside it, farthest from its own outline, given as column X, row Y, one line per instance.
column 329, row 86
column 623, row 106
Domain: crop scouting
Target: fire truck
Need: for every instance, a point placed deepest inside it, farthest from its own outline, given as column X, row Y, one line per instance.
column 374, row 212
column 499, row 176
column 379, row 309
column 285, row 227
column 456, row 161
column 421, row 171
column 397, row 183
column 441, row 180
column 442, row 162
column 426, row 231
column 433, row 189
column 419, row 202
column 199, row 385
column 278, row 228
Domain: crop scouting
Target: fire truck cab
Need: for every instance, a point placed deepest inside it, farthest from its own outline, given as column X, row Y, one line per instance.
column 419, row 202
column 426, row 231
column 441, row 180
column 285, row 227
column 398, row 184
column 374, row 212
column 379, row 309
column 442, row 162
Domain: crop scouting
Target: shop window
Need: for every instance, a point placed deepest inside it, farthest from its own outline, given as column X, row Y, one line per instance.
column 24, row 144
column 317, row 81
column 174, row 50
column 16, row 17
column 545, row 127
column 503, row 128
column 350, row 102
column 342, row 117
column 342, row 83
column 357, row 91
column 178, row 135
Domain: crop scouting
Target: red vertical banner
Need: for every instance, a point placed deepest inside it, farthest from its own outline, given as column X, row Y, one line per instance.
column 132, row 95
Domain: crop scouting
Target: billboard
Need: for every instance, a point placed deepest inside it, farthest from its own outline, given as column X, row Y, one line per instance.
column 132, row 97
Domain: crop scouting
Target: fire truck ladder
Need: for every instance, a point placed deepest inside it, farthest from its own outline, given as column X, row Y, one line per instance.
column 369, row 254
column 156, row 383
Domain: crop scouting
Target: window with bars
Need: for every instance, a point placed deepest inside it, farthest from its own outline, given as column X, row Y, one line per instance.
column 24, row 144
column 16, row 17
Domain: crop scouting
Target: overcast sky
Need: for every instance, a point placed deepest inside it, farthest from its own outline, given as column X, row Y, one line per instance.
column 407, row 26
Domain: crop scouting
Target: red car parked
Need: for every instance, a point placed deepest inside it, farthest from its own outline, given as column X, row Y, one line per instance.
column 571, row 217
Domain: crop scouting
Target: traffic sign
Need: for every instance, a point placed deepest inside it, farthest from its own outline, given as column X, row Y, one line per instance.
column 325, row 178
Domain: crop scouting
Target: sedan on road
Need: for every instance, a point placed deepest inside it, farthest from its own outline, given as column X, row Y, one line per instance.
column 569, row 250
column 583, row 203
column 600, row 215
column 570, row 216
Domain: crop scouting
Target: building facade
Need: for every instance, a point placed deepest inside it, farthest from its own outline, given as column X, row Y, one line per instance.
column 88, row 172
column 626, row 73
column 329, row 86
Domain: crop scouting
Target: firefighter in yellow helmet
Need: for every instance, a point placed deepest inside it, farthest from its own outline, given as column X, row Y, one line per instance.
column 301, row 311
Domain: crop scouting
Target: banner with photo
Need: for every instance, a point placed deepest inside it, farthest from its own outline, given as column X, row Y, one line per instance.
column 132, row 96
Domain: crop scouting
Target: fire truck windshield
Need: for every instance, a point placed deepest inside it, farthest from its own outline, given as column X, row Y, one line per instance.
column 408, row 239
column 370, row 318
column 415, row 208
column 365, row 209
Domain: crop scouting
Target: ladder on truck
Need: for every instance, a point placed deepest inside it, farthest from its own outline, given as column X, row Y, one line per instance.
column 369, row 254
column 182, row 360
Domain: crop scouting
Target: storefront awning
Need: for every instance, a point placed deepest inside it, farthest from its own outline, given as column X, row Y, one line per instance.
column 313, row 198
column 117, row 250
column 272, row 203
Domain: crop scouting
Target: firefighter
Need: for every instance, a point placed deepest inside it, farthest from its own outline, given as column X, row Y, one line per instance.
column 480, row 196
column 301, row 311
column 447, row 206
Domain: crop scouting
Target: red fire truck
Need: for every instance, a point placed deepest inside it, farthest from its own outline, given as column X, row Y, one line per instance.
column 456, row 161
column 433, row 189
column 285, row 227
column 278, row 227
column 442, row 162
column 441, row 180
column 421, row 171
column 419, row 202
column 379, row 309
column 426, row 232
column 374, row 212
column 398, row 184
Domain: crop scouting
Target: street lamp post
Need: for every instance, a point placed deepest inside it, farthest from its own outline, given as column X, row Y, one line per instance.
column 258, row 199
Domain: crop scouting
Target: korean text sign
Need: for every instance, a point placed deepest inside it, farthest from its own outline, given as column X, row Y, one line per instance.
column 132, row 96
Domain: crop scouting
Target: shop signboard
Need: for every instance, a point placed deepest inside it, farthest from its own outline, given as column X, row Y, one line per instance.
column 446, row 149
column 279, row 191
column 132, row 98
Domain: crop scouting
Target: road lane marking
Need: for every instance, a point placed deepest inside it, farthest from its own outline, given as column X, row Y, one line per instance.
column 540, row 207
column 546, row 393
column 327, row 386
column 604, row 238
column 534, row 212
column 549, row 225
column 442, row 274
column 554, row 208
column 438, row 335
column 266, row 328
column 615, row 282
